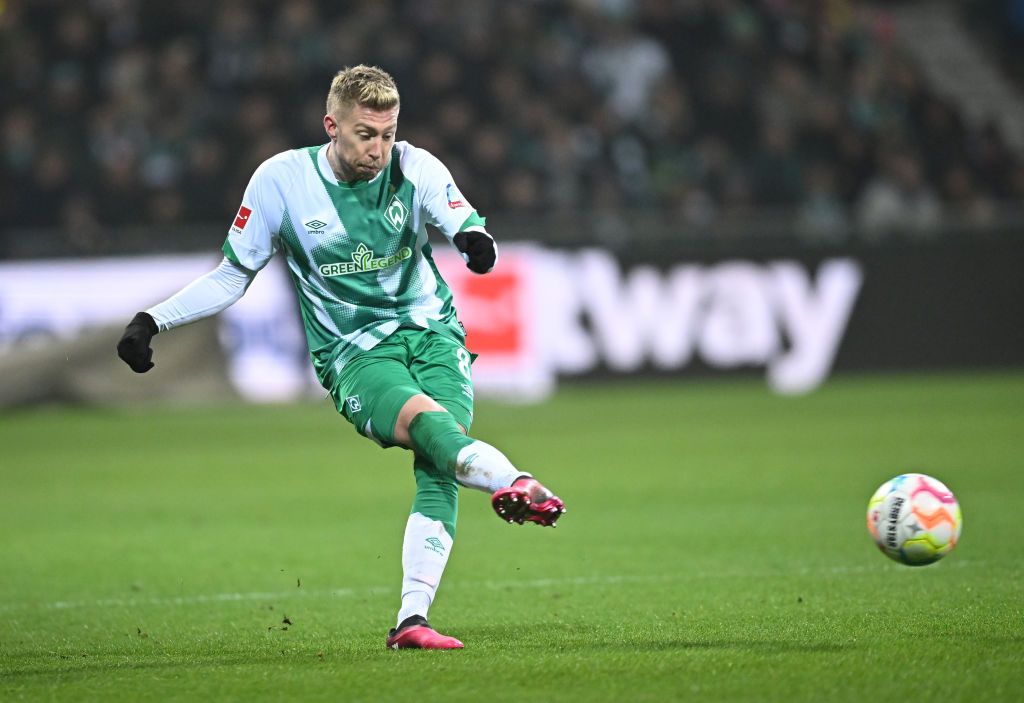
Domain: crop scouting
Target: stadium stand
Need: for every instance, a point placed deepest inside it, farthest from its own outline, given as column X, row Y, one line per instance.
column 121, row 113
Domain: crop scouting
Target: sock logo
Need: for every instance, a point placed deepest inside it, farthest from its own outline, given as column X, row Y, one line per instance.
column 354, row 404
column 434, row 545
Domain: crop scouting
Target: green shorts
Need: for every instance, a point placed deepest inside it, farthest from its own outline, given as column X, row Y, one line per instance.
column 373, row 387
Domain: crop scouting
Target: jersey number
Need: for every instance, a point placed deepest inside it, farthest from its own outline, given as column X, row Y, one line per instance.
column 464, row 361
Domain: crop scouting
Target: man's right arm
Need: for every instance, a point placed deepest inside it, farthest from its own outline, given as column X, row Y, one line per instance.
column 249, row 245
column 205, row 296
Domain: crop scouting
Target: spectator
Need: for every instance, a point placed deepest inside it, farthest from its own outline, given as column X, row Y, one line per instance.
column 966, row 204
column 625, row 66
column 776, row 168
column 821, row 214
column 898, row 199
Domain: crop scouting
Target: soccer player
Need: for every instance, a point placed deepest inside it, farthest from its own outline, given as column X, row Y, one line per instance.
column 350, row 218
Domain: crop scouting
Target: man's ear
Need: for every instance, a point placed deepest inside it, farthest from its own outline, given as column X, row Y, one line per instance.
column 331, row 127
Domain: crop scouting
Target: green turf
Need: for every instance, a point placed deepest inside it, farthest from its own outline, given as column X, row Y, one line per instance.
column 714, row 549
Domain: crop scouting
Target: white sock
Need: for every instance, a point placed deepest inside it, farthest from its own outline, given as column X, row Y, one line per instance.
column 424, row 555
column 481, row 466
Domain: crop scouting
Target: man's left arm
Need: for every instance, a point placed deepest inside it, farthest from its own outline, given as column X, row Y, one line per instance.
column 478, row 249
column 450, row 212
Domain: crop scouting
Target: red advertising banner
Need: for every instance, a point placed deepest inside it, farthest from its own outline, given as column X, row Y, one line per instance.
column 499, row 313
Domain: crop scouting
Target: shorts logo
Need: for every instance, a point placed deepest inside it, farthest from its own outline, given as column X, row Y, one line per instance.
column 242, row 218
column 433, row 544
column 453, row 196
column 353, row 403
column 363, row 259
column 397, row 213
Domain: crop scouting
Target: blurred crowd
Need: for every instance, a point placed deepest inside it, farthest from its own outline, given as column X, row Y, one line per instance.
column 999, row 26
column 124, row 112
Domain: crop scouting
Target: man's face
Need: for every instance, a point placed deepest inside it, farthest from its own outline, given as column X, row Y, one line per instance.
column 362, row 139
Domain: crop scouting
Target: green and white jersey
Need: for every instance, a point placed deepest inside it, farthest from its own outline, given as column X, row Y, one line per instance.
column 357, row 253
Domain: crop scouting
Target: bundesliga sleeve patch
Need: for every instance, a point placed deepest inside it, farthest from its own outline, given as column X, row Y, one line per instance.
column 454, row 197
column 242, row 218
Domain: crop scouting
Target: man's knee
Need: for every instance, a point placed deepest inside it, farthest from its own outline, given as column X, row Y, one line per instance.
column 414, row 406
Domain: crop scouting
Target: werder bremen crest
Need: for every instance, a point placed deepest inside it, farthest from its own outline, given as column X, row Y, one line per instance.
column 363, row 259
column 397, row 213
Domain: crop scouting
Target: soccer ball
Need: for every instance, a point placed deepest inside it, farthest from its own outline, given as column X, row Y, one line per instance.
column 914, row 519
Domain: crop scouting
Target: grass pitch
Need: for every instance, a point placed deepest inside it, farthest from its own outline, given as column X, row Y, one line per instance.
column 714, row 549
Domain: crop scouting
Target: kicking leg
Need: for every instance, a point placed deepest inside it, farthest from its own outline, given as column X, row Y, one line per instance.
column 430, row 431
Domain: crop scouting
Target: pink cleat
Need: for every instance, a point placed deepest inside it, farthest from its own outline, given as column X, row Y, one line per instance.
column 416, row 633
column 527, row 500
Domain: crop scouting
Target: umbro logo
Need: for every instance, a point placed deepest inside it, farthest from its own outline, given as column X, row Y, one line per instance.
column 315, row 226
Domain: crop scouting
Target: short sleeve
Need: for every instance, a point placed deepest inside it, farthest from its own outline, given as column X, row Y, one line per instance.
column 445, row 205
column 252, row 237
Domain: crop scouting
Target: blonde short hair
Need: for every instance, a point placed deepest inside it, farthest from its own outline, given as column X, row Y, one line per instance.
column 361, row 85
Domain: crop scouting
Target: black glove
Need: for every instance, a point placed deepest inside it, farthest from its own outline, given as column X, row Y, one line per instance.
column 479, row 249
column 134, row 345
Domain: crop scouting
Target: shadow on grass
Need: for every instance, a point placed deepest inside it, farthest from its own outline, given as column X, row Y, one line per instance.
column 24, row 665
column 484, row 643
column 758, row 646
column 592, row 639
column 567, row 636
column 484, row 640
column 89, row 665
